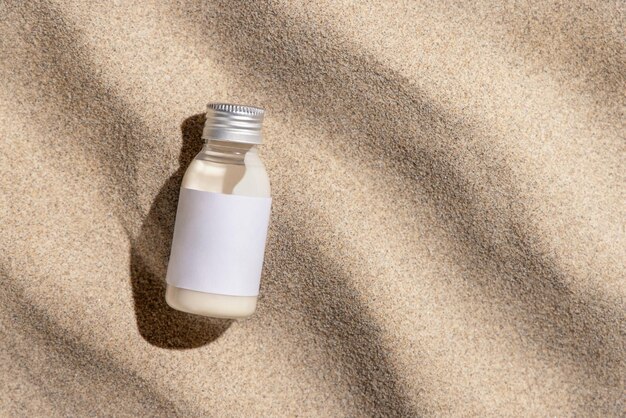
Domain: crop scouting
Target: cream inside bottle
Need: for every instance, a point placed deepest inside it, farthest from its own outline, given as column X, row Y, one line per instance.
column 230, row 168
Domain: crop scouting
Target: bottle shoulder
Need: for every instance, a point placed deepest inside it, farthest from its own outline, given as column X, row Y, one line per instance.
column 247, row 179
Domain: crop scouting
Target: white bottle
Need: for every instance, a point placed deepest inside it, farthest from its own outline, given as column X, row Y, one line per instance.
column 222, row 219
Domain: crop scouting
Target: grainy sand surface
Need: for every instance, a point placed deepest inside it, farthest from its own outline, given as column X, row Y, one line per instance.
column 448, row 231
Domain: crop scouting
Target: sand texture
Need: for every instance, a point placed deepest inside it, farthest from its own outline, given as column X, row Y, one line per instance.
column 448, row 230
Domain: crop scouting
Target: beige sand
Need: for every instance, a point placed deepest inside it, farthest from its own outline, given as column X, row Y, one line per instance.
column 448, row 230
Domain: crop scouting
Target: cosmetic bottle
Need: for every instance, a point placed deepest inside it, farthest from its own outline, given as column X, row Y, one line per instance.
column 222, row 219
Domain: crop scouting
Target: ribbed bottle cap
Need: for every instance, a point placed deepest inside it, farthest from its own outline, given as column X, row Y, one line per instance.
column 231, row 122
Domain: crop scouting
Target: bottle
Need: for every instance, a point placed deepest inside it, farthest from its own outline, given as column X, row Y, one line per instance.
column 222, row 219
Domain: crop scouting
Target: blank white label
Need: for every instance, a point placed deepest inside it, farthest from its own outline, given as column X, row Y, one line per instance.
column 219, row 241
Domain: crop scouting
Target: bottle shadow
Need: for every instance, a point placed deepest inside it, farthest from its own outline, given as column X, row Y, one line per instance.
column 159, row 324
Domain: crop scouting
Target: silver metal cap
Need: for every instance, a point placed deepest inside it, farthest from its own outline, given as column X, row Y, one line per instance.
column 231, row 122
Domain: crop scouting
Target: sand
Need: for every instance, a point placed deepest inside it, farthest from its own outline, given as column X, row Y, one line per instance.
column 448, row 231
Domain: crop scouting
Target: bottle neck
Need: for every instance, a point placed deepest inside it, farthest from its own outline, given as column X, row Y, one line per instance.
column 226, row 152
